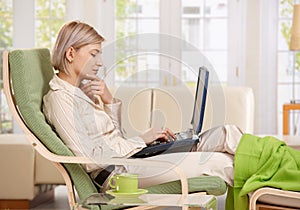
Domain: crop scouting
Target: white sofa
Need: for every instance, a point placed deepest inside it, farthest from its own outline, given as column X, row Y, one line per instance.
column 25, row 174
column 172, row 107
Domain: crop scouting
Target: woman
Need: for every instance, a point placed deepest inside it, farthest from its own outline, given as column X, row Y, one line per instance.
column 87, row 118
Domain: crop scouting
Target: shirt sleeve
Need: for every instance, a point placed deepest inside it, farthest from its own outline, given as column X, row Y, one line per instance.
column 114, row 111
column 82, row 136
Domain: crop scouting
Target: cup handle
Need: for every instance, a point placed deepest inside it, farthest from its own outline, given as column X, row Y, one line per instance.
column 113, row 178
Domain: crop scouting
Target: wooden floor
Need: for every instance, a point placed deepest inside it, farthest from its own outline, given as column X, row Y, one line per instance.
column 60, row 201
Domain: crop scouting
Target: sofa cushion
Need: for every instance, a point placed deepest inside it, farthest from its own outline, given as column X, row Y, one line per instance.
column 46, row 172
column 230, row 105
column 136, row 108
column 213, row 185
column 172, row 107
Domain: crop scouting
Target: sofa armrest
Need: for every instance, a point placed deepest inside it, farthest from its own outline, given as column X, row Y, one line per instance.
column 17, row 167
column 46, row 172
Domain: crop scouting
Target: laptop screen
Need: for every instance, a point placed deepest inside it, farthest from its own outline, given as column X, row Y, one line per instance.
column 200, row 99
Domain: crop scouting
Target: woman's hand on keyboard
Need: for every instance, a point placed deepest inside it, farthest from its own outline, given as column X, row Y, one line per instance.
column 157, row 134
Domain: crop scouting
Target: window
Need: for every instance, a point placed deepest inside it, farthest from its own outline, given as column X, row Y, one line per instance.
column 50, row 16
column 287, row 62
column 203, row 29
column 136, row 65
column 197, row 23
column 6, row 16
column 204, row 24
column 6, row 34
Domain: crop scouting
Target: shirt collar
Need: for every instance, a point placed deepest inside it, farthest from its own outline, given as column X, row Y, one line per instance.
column 57, row 83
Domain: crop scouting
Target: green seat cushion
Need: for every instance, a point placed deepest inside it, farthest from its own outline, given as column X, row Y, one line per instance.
column 213, row 185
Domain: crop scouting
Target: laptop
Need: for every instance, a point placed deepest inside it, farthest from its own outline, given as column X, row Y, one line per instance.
column 185, row 140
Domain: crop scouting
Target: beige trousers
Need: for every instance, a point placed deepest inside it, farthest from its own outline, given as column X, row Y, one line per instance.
column 213, row 156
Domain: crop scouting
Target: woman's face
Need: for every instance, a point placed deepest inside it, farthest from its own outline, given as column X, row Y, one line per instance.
column 87, row 60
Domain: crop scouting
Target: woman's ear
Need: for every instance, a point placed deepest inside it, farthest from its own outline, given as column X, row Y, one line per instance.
column 70, row 54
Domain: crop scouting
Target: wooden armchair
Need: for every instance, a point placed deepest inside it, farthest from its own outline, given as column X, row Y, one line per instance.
column 26, row 74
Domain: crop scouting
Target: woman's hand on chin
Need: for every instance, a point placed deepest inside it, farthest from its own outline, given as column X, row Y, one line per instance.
column 97, row 90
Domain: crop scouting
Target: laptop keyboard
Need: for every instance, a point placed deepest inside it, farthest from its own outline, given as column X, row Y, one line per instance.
column 179, row 138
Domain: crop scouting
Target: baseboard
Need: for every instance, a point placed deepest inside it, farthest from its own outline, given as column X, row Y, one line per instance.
column 27, row 204
column 14, row 204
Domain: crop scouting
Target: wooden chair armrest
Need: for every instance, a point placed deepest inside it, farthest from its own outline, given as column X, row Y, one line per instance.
column 268, row 191
column 112, row 161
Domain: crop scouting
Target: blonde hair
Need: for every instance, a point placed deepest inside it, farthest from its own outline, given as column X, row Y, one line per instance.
column 73, row 34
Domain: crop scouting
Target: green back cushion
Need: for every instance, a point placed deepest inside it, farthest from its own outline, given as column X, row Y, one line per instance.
column 31, row 72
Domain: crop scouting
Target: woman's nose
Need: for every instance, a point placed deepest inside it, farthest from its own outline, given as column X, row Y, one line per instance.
column 99, row 64
column 99, row 61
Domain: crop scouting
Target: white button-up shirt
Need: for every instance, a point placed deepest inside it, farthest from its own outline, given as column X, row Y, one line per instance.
column 87, row 128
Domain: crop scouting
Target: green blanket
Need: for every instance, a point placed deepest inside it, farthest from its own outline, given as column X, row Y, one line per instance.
column 261, row 162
